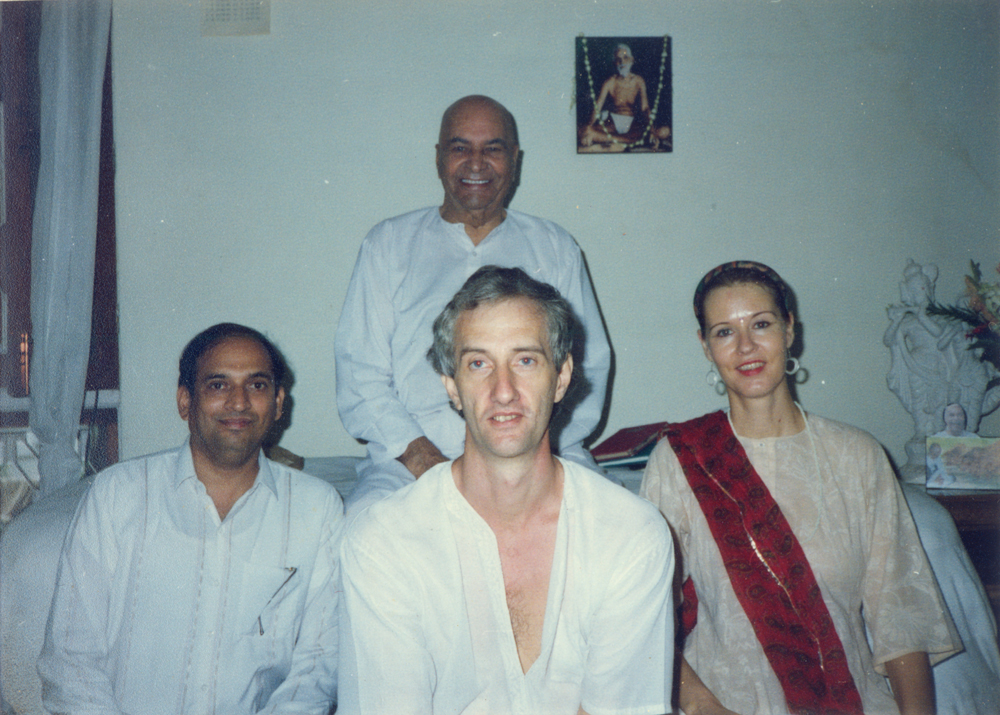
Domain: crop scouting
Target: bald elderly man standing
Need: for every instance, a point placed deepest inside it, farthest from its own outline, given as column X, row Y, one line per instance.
column 407, row 270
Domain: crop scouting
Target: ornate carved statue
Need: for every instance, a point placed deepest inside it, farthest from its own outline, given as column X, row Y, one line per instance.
column 932, row 366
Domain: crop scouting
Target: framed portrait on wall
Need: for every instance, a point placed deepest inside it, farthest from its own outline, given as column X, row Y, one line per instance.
column 623, row 95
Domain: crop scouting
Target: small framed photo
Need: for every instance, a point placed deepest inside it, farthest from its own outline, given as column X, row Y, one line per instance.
column 963, row 462
column 623, row 95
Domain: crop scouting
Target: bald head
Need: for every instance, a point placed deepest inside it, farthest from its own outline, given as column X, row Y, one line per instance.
column 477, row 155
column 478, row 103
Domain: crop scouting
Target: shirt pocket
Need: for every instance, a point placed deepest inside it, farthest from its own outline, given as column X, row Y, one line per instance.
column 273, row 600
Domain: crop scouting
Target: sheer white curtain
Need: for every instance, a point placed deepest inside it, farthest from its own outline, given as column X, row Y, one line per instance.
column 72, row 52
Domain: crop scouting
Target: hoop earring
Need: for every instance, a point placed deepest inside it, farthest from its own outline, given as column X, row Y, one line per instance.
column 714, row 380
column 799, row 374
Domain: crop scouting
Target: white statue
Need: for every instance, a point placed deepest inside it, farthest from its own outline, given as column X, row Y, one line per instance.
column 932, row 366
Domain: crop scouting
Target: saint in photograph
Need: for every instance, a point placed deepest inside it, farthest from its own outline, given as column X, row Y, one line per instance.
column 623, row 95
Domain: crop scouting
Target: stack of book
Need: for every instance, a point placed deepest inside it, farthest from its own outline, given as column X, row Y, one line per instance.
column 629, row 447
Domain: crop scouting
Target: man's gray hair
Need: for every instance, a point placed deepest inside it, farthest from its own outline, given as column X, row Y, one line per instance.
column 493, row 284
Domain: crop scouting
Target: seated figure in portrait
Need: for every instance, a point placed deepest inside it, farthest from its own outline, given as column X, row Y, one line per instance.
column 624, row 120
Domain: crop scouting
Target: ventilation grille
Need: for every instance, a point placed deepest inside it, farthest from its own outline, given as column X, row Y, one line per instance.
column 235, row 17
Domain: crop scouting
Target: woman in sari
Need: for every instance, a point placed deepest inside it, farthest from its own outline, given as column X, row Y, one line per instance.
column 794, row 535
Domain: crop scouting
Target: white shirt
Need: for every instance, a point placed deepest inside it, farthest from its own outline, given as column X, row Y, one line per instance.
column 965, row 434
column 968, row 683
column 838, row 493
column 161, row 608
column 408, row 268
column 426, row 627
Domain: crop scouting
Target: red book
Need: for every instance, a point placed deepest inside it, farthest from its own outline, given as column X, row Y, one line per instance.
column 628, row 442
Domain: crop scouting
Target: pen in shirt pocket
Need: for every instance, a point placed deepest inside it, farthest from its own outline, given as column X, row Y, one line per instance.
column 291, row 572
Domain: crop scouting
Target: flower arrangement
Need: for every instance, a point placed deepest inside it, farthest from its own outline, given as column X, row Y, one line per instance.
column 982, row 314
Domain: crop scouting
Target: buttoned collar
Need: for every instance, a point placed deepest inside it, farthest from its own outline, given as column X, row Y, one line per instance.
column 185, row 470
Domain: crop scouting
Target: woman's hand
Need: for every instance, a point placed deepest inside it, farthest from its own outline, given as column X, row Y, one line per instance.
column 695, row 697
column 912, row 683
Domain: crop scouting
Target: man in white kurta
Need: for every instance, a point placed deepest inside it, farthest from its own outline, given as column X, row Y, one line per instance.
column 176, row 595
column 506, row 581
column 841, row 500
column 408, row 267
column 429, row 626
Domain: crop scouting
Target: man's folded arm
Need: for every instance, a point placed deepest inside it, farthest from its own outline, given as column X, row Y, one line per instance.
column 366, row 392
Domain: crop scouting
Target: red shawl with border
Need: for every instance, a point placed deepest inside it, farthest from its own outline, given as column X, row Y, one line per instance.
column 769, row 572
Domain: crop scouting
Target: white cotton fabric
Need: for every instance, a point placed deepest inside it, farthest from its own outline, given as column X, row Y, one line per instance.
column 408, row 268
column 968, row 683
column 854, row 527
column 623, row 122
column 161, row 608
column 426, row 627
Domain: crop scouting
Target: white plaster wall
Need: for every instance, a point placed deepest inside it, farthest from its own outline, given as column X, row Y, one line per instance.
column 832, row 140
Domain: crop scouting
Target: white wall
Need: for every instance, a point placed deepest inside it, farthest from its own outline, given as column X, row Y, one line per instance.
column 832, row 140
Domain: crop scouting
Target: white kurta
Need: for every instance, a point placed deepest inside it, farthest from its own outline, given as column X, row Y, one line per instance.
column 427, row 628
column 408, row 268
column 969, row 683
column 841, row 499
column 160, row 607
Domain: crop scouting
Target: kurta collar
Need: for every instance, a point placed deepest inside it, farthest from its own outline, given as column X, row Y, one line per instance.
column 185, row 469
column 458, row 230
column 458, row 504
column 480, row 555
